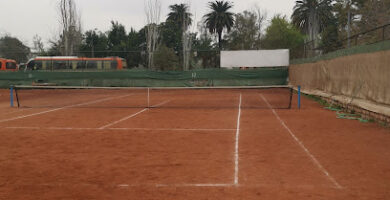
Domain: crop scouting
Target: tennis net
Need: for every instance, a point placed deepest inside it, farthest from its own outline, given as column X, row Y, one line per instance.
column 262, row 97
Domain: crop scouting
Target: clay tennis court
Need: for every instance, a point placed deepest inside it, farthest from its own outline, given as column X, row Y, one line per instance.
column 237, row 145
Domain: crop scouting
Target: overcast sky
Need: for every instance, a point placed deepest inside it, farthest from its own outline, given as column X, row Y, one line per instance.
column 25, row 18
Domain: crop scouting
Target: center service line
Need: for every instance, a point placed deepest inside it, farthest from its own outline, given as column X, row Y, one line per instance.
column 236, row 153
column 131, row 116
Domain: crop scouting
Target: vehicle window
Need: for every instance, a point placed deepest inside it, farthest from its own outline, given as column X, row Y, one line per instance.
column 81, row 64
column 107, row 64
column 1, row 64
column 91, row 64
column 99, row 65
column 37, row 65
column 30, row 65
column 60, row 65
column 124, row 63
column 10, row 65
column 73, row 64
column 46, row 65
column 114, row 64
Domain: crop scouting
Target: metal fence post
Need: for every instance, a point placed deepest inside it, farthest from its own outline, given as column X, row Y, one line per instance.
column 11, row 94
column 299, row 97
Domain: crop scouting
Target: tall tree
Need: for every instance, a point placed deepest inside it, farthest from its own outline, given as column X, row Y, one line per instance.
column 311, row 16
column 71, row 33
column 38, row 45
column 219, row 18
column 281, row 34
column 117, row 35
column 135, row 44
column 95, row 44
column 180, row 16
column 330, row 39
column 246, row 32
column 13, row 48
column 347, row 14
column 374, row 13
column 179, row 13
column 153, row 15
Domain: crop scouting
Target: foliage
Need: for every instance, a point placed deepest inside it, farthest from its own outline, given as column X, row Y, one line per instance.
column 219, row 18
column 206, row 53
column 283, row 35
column 374, row 13
column 166, row 59
column 171, row 35
column 180, row 16
column 13, row 48
column 312, row 16
column 245, row 34
column 330, row 40
column 342, row 10
column 136, row 45
column 95, row 44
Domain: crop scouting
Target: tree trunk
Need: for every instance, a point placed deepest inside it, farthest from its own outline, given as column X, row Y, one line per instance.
column 220, row 40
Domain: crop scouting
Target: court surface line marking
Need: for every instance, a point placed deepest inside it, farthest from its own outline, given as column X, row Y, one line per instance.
column 62, row 108
column 120, row 129
column 236, row 153
column 131, row 116
column 184, row 185
column 300, row 143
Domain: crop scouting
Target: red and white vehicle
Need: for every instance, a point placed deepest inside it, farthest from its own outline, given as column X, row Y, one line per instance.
column 76, row 63
column 8, row 65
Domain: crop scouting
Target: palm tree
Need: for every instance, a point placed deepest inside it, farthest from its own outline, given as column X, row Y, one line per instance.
column 219, row 18
column 312, row 16
column 180, row 15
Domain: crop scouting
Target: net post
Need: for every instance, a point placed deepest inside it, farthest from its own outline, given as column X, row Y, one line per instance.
column 291, row 97
column 11, row 94
column 299, row 97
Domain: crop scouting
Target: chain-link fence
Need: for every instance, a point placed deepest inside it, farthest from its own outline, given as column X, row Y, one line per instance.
column 315, row 48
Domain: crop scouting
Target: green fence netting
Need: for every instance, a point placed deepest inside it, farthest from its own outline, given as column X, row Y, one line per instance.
column 144, row 78
column 380, row 46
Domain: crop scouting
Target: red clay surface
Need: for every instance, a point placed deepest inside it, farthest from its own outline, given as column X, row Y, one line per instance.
column 188, row 153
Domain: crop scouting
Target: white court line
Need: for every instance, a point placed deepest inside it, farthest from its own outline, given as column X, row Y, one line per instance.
column 300, row 143
column 195, row 185
column 131, row 116
column 176, row 185
column 236, row 153
column 119, row 129
column 185, row 185
column 62, row 108
column 172, row 129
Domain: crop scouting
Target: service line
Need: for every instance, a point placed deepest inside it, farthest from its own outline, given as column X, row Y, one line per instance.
column 133, row 115
column 123, row 129
column 300, row 143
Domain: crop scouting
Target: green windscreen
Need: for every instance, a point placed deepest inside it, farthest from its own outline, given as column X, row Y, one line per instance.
column 144, row 78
